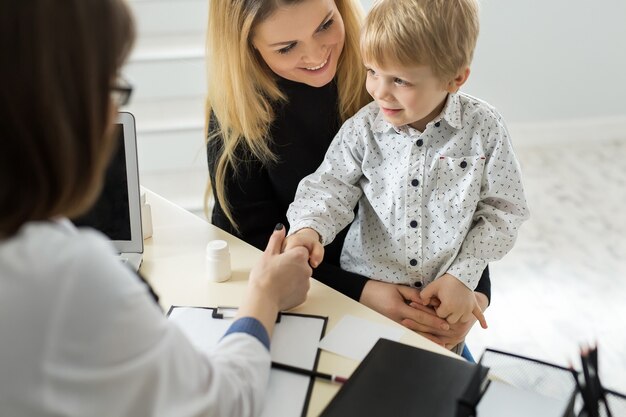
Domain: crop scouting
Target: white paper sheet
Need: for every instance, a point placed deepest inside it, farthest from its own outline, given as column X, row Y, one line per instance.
column 294, row 342
column 505, row 400
column 353, row 337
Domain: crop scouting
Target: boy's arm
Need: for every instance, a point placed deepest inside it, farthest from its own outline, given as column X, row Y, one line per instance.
column 499, row 213
column 456, row 303
column 325, row 199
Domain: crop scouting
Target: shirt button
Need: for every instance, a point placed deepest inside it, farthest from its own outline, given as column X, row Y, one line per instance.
column 413, row 262
column 415, row 183
column 463, row 164
column 419, row 142
column 417, row 284
column 437, row 124
column 413, row 224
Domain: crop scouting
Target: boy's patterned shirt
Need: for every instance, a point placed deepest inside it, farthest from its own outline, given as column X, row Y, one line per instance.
column 446, row 200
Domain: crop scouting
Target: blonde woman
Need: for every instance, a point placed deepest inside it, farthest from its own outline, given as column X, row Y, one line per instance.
column 81, row 334
column 282, row 77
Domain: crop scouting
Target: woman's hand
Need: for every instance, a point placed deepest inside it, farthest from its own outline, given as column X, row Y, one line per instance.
column 402, row 304
column 392, row 300
column 457, row 332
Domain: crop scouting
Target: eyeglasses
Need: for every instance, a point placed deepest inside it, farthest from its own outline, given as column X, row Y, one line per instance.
column 121, row 91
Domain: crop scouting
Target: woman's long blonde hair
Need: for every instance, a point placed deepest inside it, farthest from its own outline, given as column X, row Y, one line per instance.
column 242, row 89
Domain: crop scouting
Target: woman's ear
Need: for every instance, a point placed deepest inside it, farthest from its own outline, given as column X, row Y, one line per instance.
column 456, row 83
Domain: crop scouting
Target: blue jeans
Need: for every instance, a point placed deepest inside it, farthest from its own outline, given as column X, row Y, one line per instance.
column 467, row 354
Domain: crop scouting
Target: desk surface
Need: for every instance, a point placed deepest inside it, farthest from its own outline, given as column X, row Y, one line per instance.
column 174, row 265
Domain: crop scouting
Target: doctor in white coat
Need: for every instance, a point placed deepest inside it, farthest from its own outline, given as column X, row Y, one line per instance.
column 81, row 335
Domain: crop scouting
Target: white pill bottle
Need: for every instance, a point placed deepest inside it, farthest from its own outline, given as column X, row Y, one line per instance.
column 217, row 261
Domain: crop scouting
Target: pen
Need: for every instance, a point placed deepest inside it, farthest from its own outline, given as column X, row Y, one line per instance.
column 302, row 371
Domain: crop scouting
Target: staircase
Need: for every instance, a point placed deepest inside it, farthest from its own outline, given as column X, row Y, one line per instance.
column 167, row 71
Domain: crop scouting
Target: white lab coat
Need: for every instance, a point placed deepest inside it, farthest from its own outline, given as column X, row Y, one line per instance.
column 81, row 336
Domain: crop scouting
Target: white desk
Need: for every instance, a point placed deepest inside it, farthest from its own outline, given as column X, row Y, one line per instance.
column 174, row 265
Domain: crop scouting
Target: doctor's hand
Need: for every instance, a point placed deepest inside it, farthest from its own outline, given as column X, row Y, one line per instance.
column 310, row 240
column 278, row 281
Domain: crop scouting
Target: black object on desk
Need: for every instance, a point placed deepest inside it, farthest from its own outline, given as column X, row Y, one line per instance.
column 399, row 380
column 597, row 400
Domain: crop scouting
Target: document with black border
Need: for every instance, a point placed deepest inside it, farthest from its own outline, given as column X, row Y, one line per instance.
column 295, row 342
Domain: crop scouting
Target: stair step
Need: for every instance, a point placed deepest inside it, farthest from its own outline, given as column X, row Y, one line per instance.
column 168, row 47
column 168, row 114
column 167, row 79
column 171, row 150
column 170, row 17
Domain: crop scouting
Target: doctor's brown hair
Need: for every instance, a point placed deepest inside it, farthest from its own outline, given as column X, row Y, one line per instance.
column 60, row 59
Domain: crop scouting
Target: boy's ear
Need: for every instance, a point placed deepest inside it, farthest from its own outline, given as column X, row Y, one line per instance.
column 456, row 83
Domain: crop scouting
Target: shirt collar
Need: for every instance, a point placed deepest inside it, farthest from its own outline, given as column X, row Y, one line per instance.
column 380, row 125
column 452, row 114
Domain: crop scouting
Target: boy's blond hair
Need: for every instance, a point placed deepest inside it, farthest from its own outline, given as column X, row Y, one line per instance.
column 438, row 33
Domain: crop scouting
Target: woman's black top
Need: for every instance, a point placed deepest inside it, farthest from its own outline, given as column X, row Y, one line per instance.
column 259, row 195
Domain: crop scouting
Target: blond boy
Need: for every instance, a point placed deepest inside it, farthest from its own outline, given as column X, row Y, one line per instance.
column 432, row 169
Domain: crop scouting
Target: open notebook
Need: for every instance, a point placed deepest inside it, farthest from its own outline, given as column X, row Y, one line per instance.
column 117, row 212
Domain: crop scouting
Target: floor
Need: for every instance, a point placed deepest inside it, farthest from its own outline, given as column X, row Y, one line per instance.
column 564, row 283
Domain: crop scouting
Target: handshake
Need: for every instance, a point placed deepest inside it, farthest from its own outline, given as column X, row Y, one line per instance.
column 310, row 240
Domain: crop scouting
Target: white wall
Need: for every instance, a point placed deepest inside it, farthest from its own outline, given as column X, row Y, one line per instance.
column 545, row 60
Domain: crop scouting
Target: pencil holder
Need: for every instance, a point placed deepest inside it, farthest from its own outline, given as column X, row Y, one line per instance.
column 614, row 405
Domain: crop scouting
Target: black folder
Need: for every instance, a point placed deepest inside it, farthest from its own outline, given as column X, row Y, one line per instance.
column 399, row 380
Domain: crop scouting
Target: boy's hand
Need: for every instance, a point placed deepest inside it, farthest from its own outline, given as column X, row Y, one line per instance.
column 457, row 332
column 392, row 301
column 457, row 302
column 309, row 239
